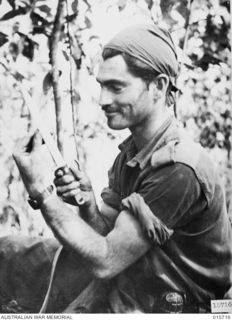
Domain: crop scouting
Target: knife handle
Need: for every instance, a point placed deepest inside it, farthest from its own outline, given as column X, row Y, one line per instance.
column 59, row 172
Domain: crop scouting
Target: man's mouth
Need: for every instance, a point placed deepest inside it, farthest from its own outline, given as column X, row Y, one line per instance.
column 110, row 113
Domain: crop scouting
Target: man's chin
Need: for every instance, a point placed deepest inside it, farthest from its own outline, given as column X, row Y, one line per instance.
column 115, row 125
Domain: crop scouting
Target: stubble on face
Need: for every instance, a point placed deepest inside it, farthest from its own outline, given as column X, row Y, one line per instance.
column 125, row 99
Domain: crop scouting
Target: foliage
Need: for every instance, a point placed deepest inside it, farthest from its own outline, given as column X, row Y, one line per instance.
column 201, row 32
column 210, row 79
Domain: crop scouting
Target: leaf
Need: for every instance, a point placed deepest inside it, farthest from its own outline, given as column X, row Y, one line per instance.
column 166, row 6
column 226, row 4
column 37, row 19
column 66, row 55
column 41, row 25
column 87, row 4
column 3, row 38
column 29, row 48
column 75, row 6
column 47, row 82
column 88, row 22
column 13, row 13
column 45, row 8
column 207, row 59
column 11, row 3
column 28, row 45
column 40, row 30
column 25, row 3
column 182, row 8
column 122, row 4
column 71, row 17
column 149, row 4
column 19, row 76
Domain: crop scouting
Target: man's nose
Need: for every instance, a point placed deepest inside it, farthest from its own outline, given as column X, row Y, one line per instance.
column 105, row 98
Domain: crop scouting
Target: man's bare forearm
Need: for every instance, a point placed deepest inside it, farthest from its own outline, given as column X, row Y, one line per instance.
column 74, row 233
column 104, row 256
column 92, row 215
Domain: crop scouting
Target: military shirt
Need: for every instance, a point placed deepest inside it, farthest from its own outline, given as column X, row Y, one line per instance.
column 187, row 197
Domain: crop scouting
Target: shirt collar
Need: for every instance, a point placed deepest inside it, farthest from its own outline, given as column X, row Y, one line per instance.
column 165, row 133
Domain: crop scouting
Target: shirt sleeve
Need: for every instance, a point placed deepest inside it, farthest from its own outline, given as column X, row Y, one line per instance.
column 111, row 194
column 173, row 194
column 166, row 199
column 153, row 227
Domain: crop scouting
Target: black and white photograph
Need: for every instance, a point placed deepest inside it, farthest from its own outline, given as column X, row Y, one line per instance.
column 115, row 158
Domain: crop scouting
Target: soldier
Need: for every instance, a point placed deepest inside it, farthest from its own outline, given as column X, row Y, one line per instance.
column 162, row 239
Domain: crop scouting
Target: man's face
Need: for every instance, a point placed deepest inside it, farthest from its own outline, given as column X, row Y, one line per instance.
column 125, row 99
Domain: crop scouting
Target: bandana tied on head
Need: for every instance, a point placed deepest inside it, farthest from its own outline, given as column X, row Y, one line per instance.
column 149, row 44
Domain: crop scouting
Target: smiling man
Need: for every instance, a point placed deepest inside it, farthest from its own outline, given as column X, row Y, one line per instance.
column 162, row 239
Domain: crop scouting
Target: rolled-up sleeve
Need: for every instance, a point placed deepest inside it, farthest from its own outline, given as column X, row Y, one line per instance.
column 173, row 194
column 163, row 200
column 111, row 195
column 153, row 227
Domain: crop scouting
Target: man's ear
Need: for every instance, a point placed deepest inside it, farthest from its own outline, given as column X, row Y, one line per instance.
column 162, row 82
column 160, row 86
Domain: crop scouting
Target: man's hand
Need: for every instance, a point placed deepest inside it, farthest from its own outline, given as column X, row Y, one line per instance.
column 34, row 163
column 74, row 183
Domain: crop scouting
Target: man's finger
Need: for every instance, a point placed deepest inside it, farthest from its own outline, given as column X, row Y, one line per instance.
column 64, row 180
column 63, row 189
column 71, row 194
column 59, row 173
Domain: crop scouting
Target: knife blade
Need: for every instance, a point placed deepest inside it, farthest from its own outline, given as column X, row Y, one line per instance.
column 50, row 143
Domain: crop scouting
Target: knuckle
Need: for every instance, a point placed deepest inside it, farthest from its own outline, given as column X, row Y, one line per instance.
column 76, row 185
column 59, row 173
column 67, row 178
column 73, row 192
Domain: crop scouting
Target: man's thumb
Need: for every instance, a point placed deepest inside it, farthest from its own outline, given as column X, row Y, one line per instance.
column 75, row 169
column 85, row 183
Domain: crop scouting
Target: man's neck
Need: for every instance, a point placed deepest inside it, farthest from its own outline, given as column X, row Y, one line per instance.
column 145, row 132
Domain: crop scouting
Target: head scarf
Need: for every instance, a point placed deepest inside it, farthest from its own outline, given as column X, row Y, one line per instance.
column 150, row 44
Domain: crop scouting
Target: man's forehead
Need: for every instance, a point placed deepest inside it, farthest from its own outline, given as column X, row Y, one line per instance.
column 113, row 68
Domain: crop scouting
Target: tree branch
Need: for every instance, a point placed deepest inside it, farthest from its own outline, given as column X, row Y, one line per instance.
column 55, row 38
column 187, row 29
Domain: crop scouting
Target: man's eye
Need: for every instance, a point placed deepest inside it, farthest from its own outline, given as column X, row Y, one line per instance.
column 116, row 88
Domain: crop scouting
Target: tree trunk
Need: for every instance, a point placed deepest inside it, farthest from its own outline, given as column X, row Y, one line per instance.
column 55, row 38
column 186, row 36
column 231, row 46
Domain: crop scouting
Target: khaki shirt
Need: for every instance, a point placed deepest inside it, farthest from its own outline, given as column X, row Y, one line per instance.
column 177, row 181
